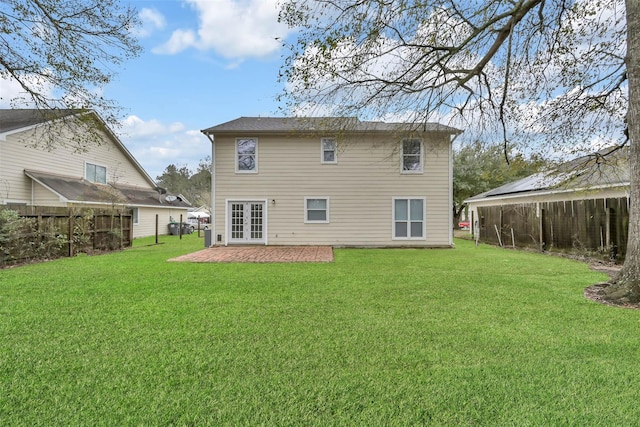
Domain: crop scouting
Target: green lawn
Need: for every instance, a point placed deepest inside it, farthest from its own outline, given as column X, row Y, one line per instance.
column 470, row 336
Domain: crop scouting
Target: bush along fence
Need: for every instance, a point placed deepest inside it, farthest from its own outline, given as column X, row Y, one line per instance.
column 34, row 233
column 593, row 227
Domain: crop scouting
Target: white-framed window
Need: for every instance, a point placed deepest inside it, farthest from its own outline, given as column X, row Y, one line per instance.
column 329, row 151
column 411, row 156
column 316, row 209
column 409, row 218
column 246, row 155
column 135, row 216
column 95, row 173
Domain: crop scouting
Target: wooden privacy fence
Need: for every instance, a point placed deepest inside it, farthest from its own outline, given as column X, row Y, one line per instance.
column 581, row 226
column 74, row 230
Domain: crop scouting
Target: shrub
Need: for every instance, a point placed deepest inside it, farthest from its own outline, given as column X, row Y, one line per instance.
column 23, row 239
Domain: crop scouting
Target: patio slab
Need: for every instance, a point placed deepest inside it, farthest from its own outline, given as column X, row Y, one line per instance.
column 260, row 254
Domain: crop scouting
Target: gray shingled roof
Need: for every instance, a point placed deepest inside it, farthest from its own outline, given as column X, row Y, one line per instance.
column 76, row 189
column 11, row 119
column 312, row 124
column 595, row 170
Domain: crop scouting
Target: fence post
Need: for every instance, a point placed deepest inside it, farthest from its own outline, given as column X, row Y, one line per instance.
column 157, row 228
column 41, row 238
column 94, row 230
column 131, row 228
column 70, row 232
column 541, row 226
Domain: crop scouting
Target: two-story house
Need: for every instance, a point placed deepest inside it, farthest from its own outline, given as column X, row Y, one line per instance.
column 43, row 163
column 331, row 181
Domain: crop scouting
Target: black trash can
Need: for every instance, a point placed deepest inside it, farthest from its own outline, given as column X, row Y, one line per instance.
column 208, row 238
column 186, row 228
column 173, row 229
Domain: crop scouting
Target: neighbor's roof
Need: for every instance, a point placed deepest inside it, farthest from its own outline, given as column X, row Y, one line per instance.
column 314, row 124
column 12, row 119
column 606, row 168
column 79, row 190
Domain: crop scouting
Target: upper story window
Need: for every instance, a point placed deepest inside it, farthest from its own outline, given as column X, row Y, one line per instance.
column 411, row 156
column 246, row 155
column 329, row 150
column 95, row 173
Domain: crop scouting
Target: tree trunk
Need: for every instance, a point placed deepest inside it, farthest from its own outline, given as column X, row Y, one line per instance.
column 456, row 217
column 626, row 287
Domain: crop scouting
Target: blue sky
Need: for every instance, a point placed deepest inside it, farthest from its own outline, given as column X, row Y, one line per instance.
column 204, row 62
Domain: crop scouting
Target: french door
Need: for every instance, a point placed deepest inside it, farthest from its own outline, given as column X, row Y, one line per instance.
column 246, row 222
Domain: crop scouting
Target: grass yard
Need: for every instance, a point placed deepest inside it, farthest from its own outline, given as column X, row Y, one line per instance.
column 471, row 336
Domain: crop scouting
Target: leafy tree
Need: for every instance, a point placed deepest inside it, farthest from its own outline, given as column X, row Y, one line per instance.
column 62, row 53
column 201, row 182
column 479, row 167
column 195, row 186
column 560, row 72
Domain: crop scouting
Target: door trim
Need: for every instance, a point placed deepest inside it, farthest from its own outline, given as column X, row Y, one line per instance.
column 227, row 228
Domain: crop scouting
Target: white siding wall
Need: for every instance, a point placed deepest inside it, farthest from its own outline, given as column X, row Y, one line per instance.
column 147, row 220
column 360, row 188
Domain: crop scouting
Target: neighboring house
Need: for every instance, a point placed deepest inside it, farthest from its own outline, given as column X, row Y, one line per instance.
column 198, row 218
column 331, row 181
column 581, row 205
column 201, row 211
column 104, row 175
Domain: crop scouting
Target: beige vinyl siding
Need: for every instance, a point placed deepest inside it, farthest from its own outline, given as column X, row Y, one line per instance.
column 360, row 188
column 16, row 155
column 43, row 196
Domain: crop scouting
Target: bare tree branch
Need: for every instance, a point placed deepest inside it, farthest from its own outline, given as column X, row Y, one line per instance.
column 62, row 53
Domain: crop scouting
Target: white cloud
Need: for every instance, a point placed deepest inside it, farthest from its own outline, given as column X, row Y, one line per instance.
column 12, row 95
column 156, row 145
column 179, row 41
column 152, row 20
column 232, row 28
column 135, row 127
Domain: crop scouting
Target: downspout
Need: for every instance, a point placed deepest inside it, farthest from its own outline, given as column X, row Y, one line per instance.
column 452, row 138
column 214, row 237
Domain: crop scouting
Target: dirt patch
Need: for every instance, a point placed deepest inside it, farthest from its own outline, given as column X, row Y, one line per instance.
column 596, row 292
column 610, row 269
